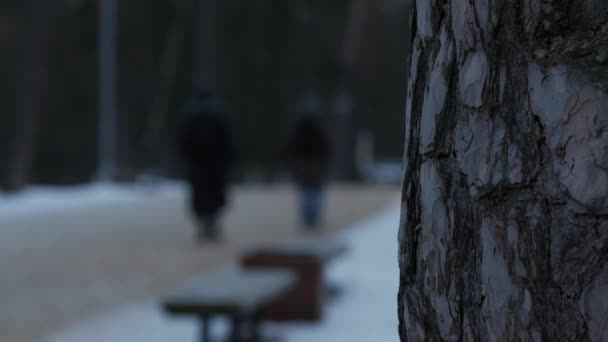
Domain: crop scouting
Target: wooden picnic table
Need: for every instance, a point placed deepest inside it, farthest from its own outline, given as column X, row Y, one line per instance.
column 307, row 259
column 241, row 294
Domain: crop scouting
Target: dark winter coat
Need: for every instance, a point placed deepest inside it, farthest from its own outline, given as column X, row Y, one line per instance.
column 207, row 149
column 308, row 152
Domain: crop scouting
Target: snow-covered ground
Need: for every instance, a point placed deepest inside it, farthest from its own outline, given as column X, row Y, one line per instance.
column 71, row 253
column 365, row 311
column 42, row 200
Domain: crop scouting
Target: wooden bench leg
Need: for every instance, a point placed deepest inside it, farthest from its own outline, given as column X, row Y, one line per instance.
column 204, row 328
column 235, row 334
column 246, row 329
column 256, row 334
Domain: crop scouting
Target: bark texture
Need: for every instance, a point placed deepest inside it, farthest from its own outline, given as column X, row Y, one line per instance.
column 504, row 228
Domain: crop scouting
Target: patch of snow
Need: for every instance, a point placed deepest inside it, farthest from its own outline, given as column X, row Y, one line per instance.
column 41, row 200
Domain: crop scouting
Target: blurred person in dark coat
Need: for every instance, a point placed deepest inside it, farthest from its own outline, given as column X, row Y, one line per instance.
column 308, row 156
column 206, row 146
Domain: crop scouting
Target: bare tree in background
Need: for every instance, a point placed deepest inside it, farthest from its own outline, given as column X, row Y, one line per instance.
column 206, row 13
column 504, row 228
column 30, row 95
column 155, row 139
column 358, row 52
column 358, row 55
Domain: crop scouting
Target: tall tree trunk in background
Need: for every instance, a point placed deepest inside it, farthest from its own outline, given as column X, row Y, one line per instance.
column 504, row 228
column 343, row 137
column 206, row 12
column 355, row 29
column 30, row 95
column 359, row 51
column 358, row 58
column 155, row 140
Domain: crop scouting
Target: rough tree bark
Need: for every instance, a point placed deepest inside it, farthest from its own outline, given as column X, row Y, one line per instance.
column 504, row 227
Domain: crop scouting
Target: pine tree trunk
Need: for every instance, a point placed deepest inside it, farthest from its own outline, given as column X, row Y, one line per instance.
column 504, row 228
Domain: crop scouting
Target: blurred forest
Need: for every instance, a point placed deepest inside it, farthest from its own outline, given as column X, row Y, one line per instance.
column 261, row 56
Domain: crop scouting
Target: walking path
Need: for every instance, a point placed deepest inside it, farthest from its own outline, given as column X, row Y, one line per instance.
column 365, row 311
column 66, row 255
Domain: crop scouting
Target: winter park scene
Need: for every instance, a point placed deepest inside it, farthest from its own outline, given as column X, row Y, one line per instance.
column 303, row 170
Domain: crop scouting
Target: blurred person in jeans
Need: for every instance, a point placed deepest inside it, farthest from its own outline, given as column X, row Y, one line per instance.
column 207, row 150
column 308, row 157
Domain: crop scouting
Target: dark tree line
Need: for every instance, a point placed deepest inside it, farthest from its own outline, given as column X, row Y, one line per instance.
column 261, row 56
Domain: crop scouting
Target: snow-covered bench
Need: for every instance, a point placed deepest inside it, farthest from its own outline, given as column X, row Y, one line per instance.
column 307, row 258
column 241, row 294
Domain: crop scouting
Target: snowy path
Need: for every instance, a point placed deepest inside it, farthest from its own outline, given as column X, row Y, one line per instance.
column 67, row 254
column 365, row 311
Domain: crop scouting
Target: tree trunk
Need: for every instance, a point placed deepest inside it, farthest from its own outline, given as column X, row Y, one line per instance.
column 343, row 138
column 358, row 57
column 155, row 141
column 204, row 57
column 504, row 227
column 30, row 96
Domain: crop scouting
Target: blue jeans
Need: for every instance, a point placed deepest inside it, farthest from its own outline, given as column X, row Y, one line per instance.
column 311, row 204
